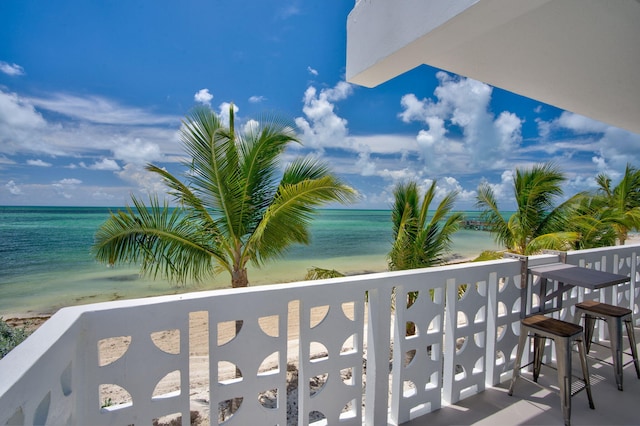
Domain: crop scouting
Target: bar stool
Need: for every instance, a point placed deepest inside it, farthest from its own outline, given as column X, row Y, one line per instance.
column 614, row 316
column 564, row 334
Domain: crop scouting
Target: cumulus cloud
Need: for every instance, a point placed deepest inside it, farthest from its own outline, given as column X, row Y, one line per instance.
column 579, row 123
column 66, row 187
column 203, row 96
column 251, row 126
column 503, row 190
column 144, row 180
column 38, row 163
column 366, row 166
column 136, row 151
column 463, row 104
column 322, row 127
column 312, row 71
column 13, row 188
column 11, row 69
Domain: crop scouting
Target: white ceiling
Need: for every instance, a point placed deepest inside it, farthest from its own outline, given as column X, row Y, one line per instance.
column 579, row 55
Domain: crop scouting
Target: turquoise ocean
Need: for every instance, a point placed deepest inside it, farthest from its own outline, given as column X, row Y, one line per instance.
column 46, row 264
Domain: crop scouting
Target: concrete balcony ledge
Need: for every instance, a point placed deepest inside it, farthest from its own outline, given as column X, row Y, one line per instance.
column 329, row 340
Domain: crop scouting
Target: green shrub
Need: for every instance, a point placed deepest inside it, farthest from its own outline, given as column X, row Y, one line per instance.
column 10, row 337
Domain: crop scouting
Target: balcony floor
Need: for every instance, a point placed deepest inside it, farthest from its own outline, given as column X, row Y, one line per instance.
column 531, row 405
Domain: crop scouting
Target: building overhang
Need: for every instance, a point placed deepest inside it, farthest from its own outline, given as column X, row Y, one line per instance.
column 578, row 55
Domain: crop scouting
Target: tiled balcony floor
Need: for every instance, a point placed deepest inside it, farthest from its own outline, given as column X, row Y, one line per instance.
column 531, row 405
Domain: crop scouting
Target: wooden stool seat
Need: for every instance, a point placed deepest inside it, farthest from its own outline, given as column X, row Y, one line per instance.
column 552, row 326
column 603, row 309
column 564, row 335
column 614, row 316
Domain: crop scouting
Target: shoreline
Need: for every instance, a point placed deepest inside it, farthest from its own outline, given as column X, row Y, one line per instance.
column 37, row 317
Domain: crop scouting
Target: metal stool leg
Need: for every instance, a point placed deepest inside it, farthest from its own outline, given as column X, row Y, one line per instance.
column 589, row 324
column 632, row 342
column 563, row 359
column 538, row 354
column 585, row 371
column 615, row 337
column 516, row 368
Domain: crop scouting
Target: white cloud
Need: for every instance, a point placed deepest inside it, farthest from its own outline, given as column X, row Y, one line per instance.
column 104, row 164
column 38, row 163
column 16, row 112
column 203, row 96
column 413, row 109
column 24, row 130
column 257, row 99
column 144, row 180
column 571, row 134
column 464, row 104
column 11, row 69
column 366, row 166
column 384, row 143
column 321, row 126
column 13, row 188
column 251, row 126
column 400, row 175
column 136, row 151
column 66, row 188
column 70, row 181
column 99, row 110
column 312, row 71
column 503, row 191
column 579, row 123
column 101, row 195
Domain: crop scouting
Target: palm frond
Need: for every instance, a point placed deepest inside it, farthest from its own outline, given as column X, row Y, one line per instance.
column 306, row 185
column 162, row 241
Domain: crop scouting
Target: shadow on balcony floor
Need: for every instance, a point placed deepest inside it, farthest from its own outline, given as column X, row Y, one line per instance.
column 531, row 405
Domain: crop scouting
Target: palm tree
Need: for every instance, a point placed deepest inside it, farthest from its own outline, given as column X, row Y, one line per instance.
column 623, row 201
column 235, row 205
column 536, row 224
column 590, row 217
column 418, row 243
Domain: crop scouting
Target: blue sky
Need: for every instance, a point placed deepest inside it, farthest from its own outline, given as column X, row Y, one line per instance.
column 91, row 91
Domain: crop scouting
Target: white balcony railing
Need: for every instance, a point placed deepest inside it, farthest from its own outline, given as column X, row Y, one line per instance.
column 465, row 341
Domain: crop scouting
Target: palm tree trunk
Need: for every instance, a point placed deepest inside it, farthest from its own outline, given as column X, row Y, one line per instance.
column 239, row 278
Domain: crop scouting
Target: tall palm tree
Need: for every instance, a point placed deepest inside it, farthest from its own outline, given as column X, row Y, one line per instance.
column 536, row 224
column 623, row 201
column 419, row 242
column 235, row 206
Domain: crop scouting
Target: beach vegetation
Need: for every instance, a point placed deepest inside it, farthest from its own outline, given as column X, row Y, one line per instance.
column 538, row 223
column 10, row 337
column 420, row 240
column 488, row 255
column 590, row 217
column 317, row 273
column 237, row 203
column 621, row 203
